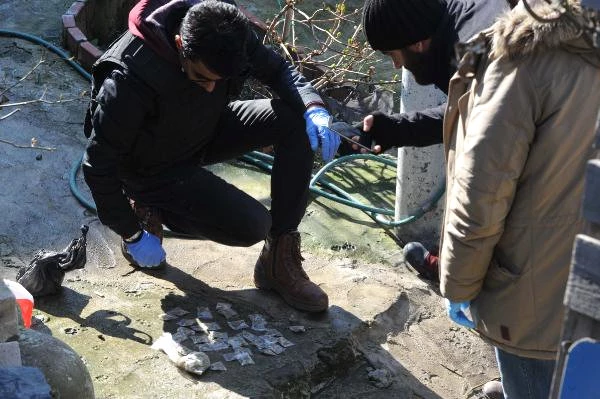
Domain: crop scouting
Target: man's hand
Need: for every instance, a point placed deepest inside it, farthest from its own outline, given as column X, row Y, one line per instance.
column 367, row 125
column 456, row 312
column 147, row 251
column 317, row 129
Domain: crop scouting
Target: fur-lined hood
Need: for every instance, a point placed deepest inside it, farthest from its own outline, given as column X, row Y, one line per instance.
column 517, row 34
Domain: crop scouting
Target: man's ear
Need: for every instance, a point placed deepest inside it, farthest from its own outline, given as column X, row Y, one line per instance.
column 420, row 46
column 178, row 42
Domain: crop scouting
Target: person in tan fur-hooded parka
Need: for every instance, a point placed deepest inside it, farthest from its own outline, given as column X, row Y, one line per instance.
column 518, row 130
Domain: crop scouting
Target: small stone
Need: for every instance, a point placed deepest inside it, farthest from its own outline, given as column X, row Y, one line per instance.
column 42, row 318
column 71, row 330
column 297, row 329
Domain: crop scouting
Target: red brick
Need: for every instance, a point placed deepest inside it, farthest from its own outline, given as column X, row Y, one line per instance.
column 88, row 54
column 75, row 8
column 74, row 36
column 68, row 21
column 83, row 16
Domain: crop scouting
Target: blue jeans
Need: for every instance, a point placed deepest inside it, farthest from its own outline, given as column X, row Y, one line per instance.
column 524, row 377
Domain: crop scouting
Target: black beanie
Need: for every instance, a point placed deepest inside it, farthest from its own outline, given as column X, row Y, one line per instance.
column 395, row 24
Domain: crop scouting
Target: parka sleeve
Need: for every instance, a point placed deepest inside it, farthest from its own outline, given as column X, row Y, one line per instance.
column 118, row 116
column 274, row 71
column 499, row 131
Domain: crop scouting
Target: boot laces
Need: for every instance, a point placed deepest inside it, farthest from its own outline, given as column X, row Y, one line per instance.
column 295, row 263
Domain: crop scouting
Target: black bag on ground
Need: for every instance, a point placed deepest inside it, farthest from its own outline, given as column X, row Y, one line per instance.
column 45, row 273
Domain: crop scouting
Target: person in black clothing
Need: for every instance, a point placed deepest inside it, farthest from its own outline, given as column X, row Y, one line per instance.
column 163, row 108
column 420, row 35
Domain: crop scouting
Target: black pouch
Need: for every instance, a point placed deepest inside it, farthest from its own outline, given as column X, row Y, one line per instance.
column 45, row 273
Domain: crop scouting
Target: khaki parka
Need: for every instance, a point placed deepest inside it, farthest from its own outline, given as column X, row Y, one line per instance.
column 518, row 130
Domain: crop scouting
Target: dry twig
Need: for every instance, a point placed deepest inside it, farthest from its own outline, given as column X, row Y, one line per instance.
column 41, row 99
column 40, row 62
column 10, row 113
column 31, row 147
column 336, row 49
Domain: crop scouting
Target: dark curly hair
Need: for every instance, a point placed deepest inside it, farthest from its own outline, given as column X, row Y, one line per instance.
column 216, row 33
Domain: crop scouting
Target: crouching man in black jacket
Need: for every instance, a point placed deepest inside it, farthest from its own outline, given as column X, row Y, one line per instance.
column 162, row 109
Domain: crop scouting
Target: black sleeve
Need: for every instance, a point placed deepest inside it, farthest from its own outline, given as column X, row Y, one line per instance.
column 411, row 129
column 274, row 71
column 118, row 116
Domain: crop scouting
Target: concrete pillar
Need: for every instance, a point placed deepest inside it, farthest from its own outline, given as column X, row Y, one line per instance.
column 420, row 170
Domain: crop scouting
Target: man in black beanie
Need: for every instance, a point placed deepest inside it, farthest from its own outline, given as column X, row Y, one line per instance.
column 420, row 35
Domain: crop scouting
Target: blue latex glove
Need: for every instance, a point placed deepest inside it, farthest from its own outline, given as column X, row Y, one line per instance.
column 317, row 129
column 147, row 251
column 456, row 313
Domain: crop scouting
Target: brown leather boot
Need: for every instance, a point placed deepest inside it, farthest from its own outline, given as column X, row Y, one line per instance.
column 279, row 268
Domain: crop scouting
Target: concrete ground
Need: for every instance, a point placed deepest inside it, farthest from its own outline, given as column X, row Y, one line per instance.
column 381, row 315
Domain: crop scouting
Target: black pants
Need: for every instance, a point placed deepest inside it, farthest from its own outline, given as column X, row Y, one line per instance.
column 196, row 202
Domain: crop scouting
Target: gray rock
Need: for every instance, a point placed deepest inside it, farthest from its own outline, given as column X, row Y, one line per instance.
column 61, row 365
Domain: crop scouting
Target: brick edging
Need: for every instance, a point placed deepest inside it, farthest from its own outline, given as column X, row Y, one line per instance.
column 73, row 34
column 74, row 39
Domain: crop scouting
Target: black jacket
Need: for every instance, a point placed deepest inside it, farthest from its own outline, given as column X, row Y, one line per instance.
column 463, row 19
column 147, row 117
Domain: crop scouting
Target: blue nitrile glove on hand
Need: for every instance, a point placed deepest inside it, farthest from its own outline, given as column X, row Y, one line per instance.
column 456, row 313
column 147, row 251
column 317, row 129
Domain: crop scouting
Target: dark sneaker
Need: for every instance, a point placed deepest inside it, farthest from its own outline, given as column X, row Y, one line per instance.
column 493, row 390
column 421, row 260
column 279, row 268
